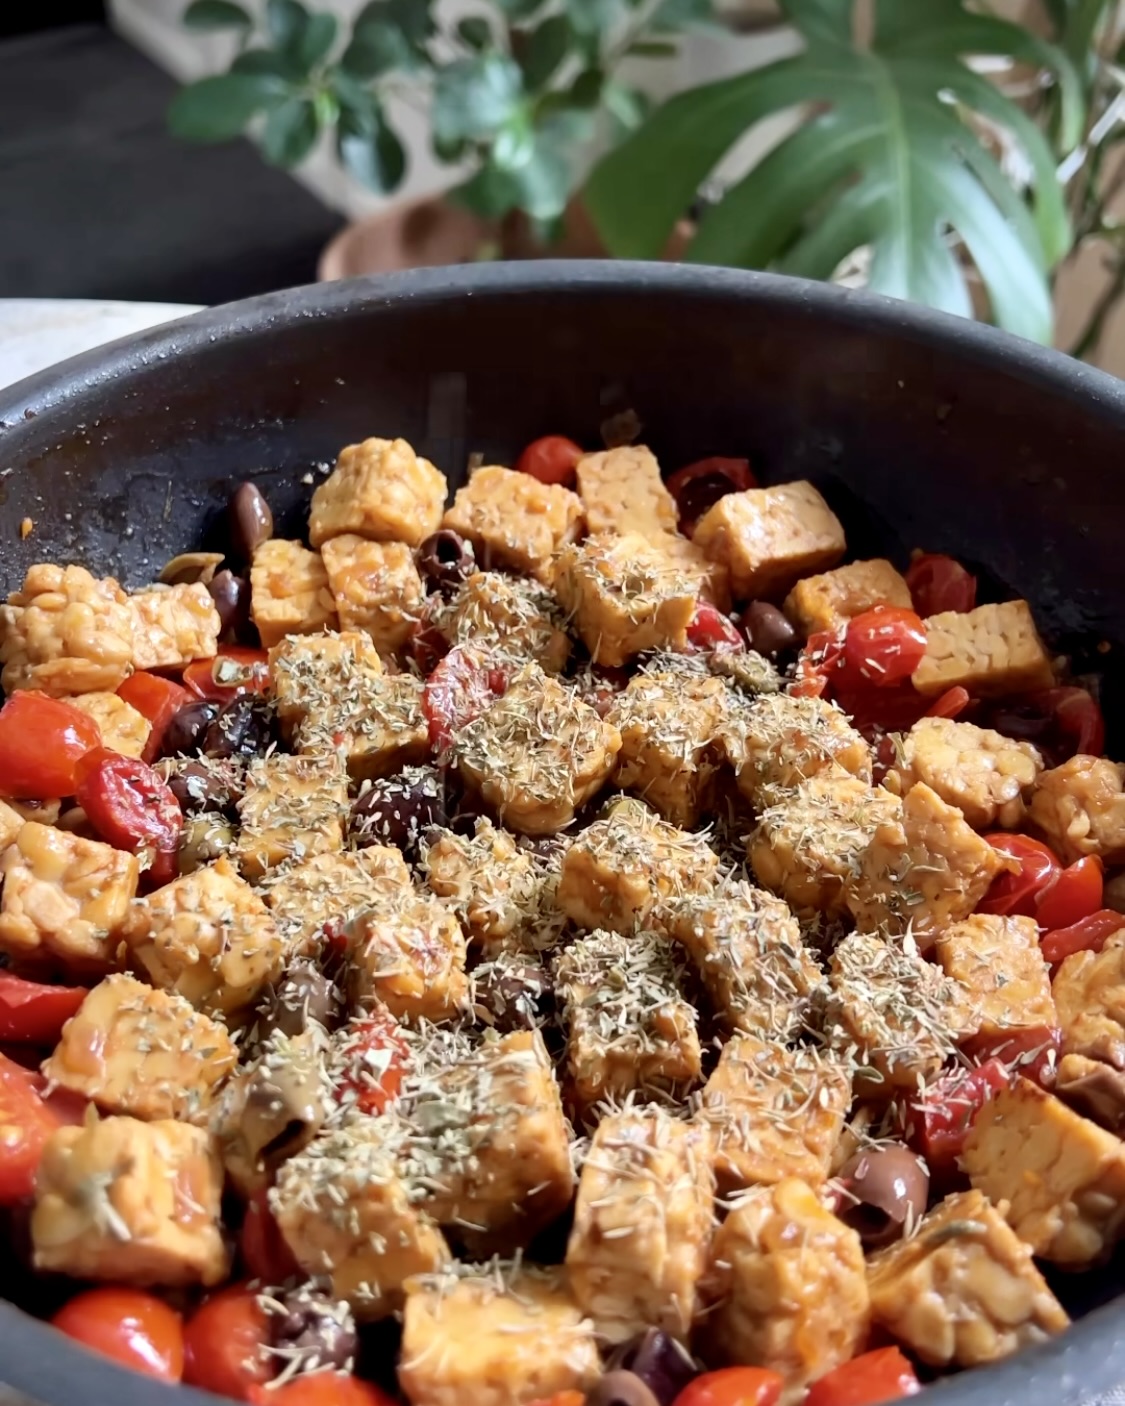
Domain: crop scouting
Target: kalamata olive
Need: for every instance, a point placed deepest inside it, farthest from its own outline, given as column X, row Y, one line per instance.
column 509, row 992
column 184, row 734
column 445, row 559
column 243, row 728
column 250, row 520
column 398, row 810
column 303, row 995
column 190, row 568
column 767, row 629
column 886, row 1188
column 314, row 1326
column 206, row 786
column 663, row 1364
column 1095, row 1089
column 205, row 837
column 621, row 1389
column 231, row 595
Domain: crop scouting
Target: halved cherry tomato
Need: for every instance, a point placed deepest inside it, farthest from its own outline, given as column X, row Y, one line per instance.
column 427, row 646
column 865, row 666
column 1076, row 715
column 1032, row 1052
column 235, row 669
column 951, row 704
column 225, row 1341
column 129, row 806
column 42, row 740
column 710, row 630
column 134, row 1328
column 462, row 686
column 32, row 1013
column 374, row 1053
column 733, row 1386
column 26, row 1122
column 551, row 459
column 942, row 1121
column 1073, row 894
column 1019, row 890
column 1087, row 935
column 321, row 1389
column 939, row 583
column 882, row 647
column 699, row 486
column 882, row 1375
column 261, row 1244
column 159, row 700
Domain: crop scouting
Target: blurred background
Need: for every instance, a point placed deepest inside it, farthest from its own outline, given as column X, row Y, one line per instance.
column 962, row 154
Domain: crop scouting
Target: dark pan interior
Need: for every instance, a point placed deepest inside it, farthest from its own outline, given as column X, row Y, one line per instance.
column 922, row 431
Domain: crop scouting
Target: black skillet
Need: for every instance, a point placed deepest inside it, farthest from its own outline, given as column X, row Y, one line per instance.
column 922, row 430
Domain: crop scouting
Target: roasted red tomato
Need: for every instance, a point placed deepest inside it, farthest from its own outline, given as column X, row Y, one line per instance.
column 26, row 1122
column 939, row 583
column 699, row 486
column 951, row 704
column 134, row 1328
column 129, row 805
column 942, row 1122
column 882, row 1375
column 462, row 686
column 41, row 742
column 882, row 647
column 733, row 1386
column 1061, row 722
column 264, row 1252
column 1077, row 717
column 159, row 700
column 375, row 1054
column 225, row 1343
column 322, row 1389
column 1032, row 1052
column 1019, row 891
column 1073, row 894
column 710, row 629
column 1087, row 935
column 235, row 669
column 551, row 459
column 32, row 1013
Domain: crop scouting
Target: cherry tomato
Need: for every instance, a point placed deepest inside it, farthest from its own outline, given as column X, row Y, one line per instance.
column 1073, row 894
column 321, row 1389
column 1087, row 935
column 1032, row 1052
column 462, row 686
column 882, row 1375
column 427, row 646
column 32, row 1013
column 817, row 662
column 131, row 808
column 882, row 647
column 235, row 669
column 261, row 1244
column 551, row 459
column 134, row 1328
column 943, row 1120
column 42, row 740
column 159, row 700
column 733, row 1386
column 699, row 486
column 951, row 704
column 1061, row 722
column 26, row 1122
column 938, row 583
column 375, row 1054
column 710, row 630
column 224, row 1343
column 1019, row 890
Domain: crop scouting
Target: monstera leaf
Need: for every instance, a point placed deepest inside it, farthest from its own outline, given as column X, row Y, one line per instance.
column 886, row 155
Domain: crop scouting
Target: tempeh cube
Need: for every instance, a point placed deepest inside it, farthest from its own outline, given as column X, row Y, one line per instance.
column 506, row 615
column 1058, row 1178
column 65, row 631
column 11, row 823
column 65, row 898
column 292, row 807
column 311, row 672
column 133, row 1049
column 495, row 1338
column 628, row 1028
column 1080, row 807
column 711, row 578
column 289, row 592
column 409, row 953
column 377, row 731
column 495, row 886
column 514, row 520
column 964, row 1290
column 131, row 1202
column 377, row 588
column 382, row 490
column 537, row 754
column 642, row 1224
column 986, row 775
column 123, row 729
column 172, row 625
column 622, row 491
column 747, row 947
column 788, row 1286
column 992, row 651
column 822, row 602
column 621, row 867
column 778, row 741
column 808, row 845
column 770, row 537
column 773, row 1113
column 346, row 1215
column 207, row 937
column 625, row 595
column 332, row 889
column 1089, row 993
column 922, row 871
column 998, row 962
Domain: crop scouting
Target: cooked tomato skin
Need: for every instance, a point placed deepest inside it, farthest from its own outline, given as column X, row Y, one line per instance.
column 26, row 1122
column 710, row 630
column 379, row 1033
column 322, row 1389
column 733, row 1386
column 33, row 1013
column 224, row 1344
column 942, row 1124
column 1031, row 1051
column 131, row 807
column 698, row 487
column 460, row 688
column 939, row 583
column 133, row 1327
column 551, row 459
column 42, row 740
column 1087, row 935
column 882, row 1375
column 159, row 700
column 249, row 670
column 1020, row 892
column 261, row 1245
column 882, row 647
column 1074, row 893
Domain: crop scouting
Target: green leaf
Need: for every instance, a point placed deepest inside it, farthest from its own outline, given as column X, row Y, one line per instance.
column 218, row 109
column 267, row 62
column 653, row 49
column 671, row 16
column 286, row 21
column 540, row 187
column 475, row 31
column 547, row 46
column 627, row 106
column 519, row 9
column 315, row 41
column 216, row 14
column 370, row 148
column 290, row 132
column 475, row 97
column 412, row 18
column 595, row 17
column 377, row 48
column 514, row 145
column 586, row 90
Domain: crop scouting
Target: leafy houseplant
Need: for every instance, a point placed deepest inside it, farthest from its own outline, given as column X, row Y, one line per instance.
column 516, row 94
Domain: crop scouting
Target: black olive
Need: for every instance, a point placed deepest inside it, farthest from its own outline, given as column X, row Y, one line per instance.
column 200, row 786
column 767, row 629
column 243, row 728
column 445, row 559
column 887, row 1189
column 184, row 734
column 302, row 995
column 231, row 595
column 315, row 1326
column 511, row 992
column 398, row 810
column 204, row 838
column 250, row 521
column 621, row 1389
column 663, row 1364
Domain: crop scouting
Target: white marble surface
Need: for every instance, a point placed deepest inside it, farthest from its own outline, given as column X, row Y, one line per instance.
column 37, row 332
